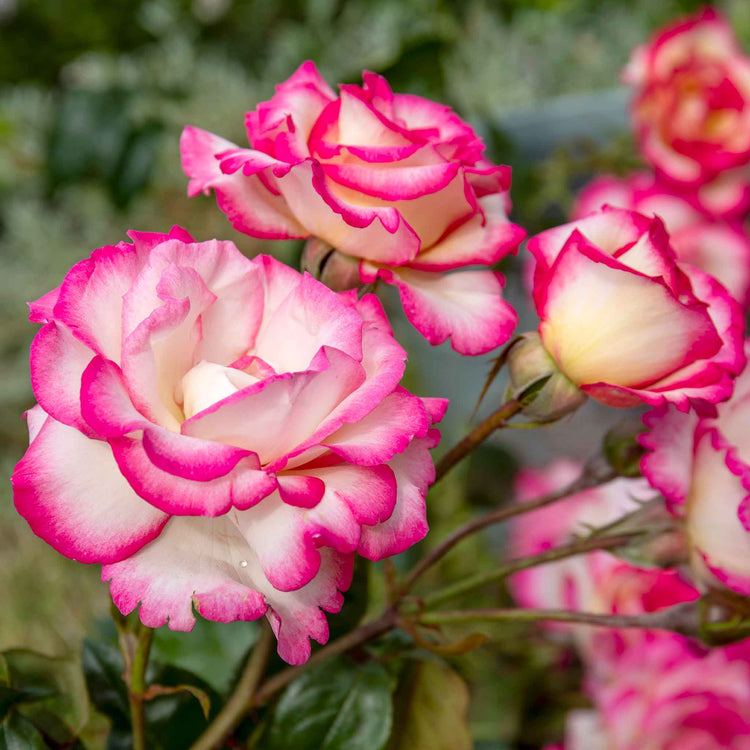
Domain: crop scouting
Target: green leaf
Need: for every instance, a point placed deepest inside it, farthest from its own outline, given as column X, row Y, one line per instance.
column 431, row 702
column 337, row 705
column 103, row 667
column 18, row 733
column 53, row 693
column 210, row 650
column 174, row 718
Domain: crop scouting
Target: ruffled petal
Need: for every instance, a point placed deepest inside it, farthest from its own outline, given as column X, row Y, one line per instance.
column 466, row 306
column 58, row 360
column 414, row 471
column 159, row 474
column 668, row 464
column 208, row 565
column 73, row 496
column 248, row 203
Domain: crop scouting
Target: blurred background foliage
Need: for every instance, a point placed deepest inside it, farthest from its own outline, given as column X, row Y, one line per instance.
column 93, row 96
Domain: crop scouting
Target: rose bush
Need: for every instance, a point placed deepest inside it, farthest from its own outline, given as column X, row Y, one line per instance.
column 222, row 434
column 721, row 249
column 691, row 110
column 394, row 181
column 702, row 467
column 625, row 322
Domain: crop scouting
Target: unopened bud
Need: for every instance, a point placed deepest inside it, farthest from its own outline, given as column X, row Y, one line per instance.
column 536, row 381
column 336, row 270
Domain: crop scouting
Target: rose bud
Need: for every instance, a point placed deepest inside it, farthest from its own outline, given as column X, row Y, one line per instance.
column 221, row 434
column 535, row 380
column 625, row 322
column 394, row 181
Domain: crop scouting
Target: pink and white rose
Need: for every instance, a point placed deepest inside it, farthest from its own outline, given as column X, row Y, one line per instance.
column 221, row 434
column 702, row 467
column 721, row 249
column 625, row 322
column 394, row 181
column 667, row 694
column 691, row 110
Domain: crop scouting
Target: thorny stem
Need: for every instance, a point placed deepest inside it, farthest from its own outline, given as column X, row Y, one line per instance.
column 591, row 477
column 578, row 547
column 236, row 706
column 477, row 436
column 682, row 618
column 135, row 647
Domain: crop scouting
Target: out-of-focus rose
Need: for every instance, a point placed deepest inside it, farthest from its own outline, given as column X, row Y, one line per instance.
column 598, row 581
column 668, row 695
column 691, row 110
column 650, row 689
column 625, row 322
column 394, row 180
column 721, row 249
column 222, row 434
column 702, row 467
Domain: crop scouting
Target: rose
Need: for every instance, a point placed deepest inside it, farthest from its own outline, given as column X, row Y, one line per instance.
column 670, row 695
column 691, row 110
column 393, row 181
column 721, row 249
column 221, row 434
column 625, row 322
column 702, row 467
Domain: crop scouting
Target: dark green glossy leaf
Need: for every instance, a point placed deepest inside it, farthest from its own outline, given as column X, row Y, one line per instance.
column 53, row 695
column 173, row 720
column 103, row 667
column 18, row 733
column 431, row 709
column 338, row 705
column 211, row 650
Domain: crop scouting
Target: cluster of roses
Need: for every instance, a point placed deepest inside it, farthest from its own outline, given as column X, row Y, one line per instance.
column 691, row 117
column 223, row 435
column 649, row 688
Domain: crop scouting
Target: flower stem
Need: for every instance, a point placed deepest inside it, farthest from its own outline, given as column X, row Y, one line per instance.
column 135, row 646
column 682, row 618
column 591, row 477
column 477, row 436
column 235, row 708
column 556, row 553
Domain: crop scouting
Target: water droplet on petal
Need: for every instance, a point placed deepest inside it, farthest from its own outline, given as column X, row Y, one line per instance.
column 243, row 563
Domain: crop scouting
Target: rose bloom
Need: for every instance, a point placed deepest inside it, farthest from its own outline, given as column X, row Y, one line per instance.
column 691, row 110
column 394, row 182
column 625, row 322
column 221, row 434
column 721, row 249
column 702, row 467
column 668, row 694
